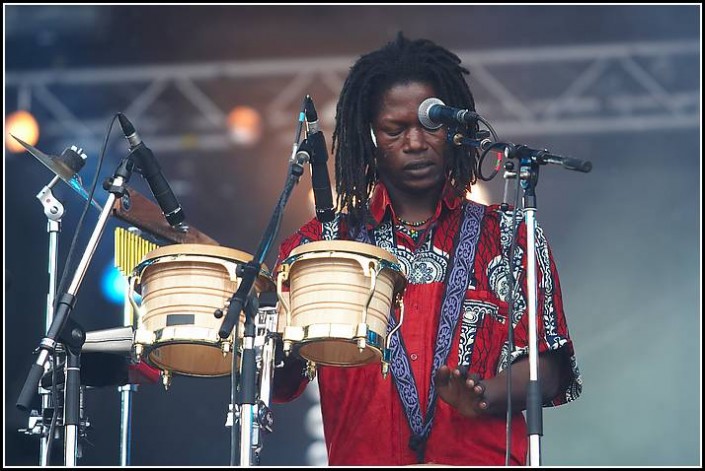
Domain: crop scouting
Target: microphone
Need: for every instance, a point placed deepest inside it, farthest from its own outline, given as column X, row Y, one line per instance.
column 322, row 193
column 152, row 172
column 433, row 114
column 65, row 166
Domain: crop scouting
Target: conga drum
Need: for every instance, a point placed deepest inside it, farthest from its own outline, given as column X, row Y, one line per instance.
column 340, row 296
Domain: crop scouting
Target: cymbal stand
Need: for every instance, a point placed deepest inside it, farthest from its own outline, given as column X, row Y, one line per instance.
column 54, row 211
column 62, row 326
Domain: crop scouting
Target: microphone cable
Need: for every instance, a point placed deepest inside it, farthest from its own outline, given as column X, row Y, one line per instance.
column 483, row 155
column 514, row 289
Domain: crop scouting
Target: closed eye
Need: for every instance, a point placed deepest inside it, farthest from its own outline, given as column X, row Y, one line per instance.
column 393, row 133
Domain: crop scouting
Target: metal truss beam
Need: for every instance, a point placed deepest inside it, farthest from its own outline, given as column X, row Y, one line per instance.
column 634, row 86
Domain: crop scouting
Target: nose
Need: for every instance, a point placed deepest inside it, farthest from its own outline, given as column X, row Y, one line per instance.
column 415, row 139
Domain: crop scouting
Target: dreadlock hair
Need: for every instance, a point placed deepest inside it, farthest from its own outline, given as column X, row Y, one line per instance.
column 400, row 61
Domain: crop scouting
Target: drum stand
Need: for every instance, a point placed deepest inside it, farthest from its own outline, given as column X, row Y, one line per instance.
column 253, row 413
column 62, row 326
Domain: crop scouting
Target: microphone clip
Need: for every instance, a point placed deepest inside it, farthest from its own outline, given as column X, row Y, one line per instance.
column 481, row 141
column 304, row 153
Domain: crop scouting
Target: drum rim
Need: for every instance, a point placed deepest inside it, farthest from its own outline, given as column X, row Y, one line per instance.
column 218, row 251
column 351, row 246
column 171, row 341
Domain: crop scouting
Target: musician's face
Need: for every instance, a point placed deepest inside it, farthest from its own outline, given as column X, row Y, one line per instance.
column 410, row 158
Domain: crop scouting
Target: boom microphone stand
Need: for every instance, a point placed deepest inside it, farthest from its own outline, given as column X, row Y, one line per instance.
column 528, row 173
column 247, row 401
column 247, row 411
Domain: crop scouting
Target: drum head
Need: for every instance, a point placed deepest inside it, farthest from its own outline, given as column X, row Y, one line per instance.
column 338, row 352
column 190, row 358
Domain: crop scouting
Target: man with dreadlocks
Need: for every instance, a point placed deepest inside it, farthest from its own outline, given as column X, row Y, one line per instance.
column 402, row 187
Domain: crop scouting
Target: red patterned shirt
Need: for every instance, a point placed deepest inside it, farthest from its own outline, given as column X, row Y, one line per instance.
column 365, row 422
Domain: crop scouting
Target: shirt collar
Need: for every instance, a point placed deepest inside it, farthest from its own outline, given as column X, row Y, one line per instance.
column 380, row 202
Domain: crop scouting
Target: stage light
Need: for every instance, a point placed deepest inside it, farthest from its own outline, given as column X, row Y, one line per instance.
column 23, row 125
column 245, row 125
column 113, row 284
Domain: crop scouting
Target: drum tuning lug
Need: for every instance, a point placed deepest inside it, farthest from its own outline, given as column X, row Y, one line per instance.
column 361, row 344
column 361, row 336
column 225, row 347
column 310, row 370
column 166, row 379
column 287, row 347
column 385, row 370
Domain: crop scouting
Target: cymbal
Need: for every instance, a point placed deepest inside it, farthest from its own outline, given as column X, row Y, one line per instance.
column 66, row 166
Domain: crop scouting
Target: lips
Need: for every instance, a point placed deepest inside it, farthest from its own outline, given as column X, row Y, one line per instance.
column 418, row 165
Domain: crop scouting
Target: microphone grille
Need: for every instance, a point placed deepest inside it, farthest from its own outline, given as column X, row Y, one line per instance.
column 127, row 127
column 424, row 109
